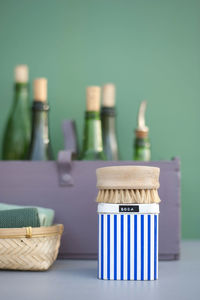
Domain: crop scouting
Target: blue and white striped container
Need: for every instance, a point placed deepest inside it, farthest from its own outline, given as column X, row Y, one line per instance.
column 128, row 241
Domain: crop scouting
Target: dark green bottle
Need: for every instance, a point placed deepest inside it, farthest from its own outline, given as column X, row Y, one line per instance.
column 92, row 139
column 18, row 129
column 108, row 116
column 40, row 147
column 142, row 149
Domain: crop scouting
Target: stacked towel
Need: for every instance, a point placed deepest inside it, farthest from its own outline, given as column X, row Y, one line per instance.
column 46, row 215
column 17, row 218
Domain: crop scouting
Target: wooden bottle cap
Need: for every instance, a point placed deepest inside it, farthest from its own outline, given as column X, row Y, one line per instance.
column 141, row 133
column 40, row 89
column 93, row 98
column 109, row 95
column 21, row 74
column 128, row 177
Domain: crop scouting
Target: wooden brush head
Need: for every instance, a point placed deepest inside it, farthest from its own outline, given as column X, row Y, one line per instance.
column 128, row 184
column 128, row 177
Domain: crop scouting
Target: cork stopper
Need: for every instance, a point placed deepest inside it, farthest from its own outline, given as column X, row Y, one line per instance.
column 128, row 177
column 40, row 89
column 93, row 98
column 21, row 74
column 109, row 95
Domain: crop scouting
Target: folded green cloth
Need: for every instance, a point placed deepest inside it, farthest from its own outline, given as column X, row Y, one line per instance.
column 17, row 218
column 46, row 215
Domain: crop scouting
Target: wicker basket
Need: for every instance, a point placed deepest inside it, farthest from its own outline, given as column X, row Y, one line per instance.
column 33, row 249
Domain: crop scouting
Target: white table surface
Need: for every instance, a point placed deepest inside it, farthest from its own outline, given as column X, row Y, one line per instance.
column 76, row 279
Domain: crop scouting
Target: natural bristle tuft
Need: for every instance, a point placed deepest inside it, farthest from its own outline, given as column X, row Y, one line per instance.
column 128, row 196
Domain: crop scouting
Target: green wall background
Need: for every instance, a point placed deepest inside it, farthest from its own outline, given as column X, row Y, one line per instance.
column 149, row 48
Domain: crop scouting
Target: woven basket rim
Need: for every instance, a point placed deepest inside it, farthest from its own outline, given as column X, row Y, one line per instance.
column 29, row 232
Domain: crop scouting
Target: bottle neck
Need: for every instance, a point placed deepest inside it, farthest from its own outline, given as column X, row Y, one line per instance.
column 142, row 149
column 40, row 128
column 110, row 144
column 108, row 111
column 92, row 134
column 21, row 94
column 20, row 87
column 142, row 142
column 108, row 119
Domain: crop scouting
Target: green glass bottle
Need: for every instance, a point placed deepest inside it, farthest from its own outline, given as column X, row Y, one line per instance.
column 142, row 148
column 18, row 129
column 108, row 116
column 92, row 139
column 40, row 147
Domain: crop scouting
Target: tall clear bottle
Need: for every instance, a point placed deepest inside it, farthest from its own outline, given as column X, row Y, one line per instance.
column 92, row 140
column 18, row 128
column 108, row 118
column 142, row 149
column 40, row 147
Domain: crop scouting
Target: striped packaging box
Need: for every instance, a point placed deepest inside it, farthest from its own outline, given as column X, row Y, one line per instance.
column 128, row 241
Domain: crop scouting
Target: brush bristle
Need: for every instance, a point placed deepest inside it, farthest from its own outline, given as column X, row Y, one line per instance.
column 128, row 196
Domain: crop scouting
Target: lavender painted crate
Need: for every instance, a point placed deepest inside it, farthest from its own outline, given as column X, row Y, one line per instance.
column 37, row 183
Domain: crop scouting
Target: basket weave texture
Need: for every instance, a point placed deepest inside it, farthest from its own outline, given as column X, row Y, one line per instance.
column 33, row 249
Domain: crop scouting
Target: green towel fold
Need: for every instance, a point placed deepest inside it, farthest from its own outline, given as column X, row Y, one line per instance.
column 46, row 215
column 17, row 218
